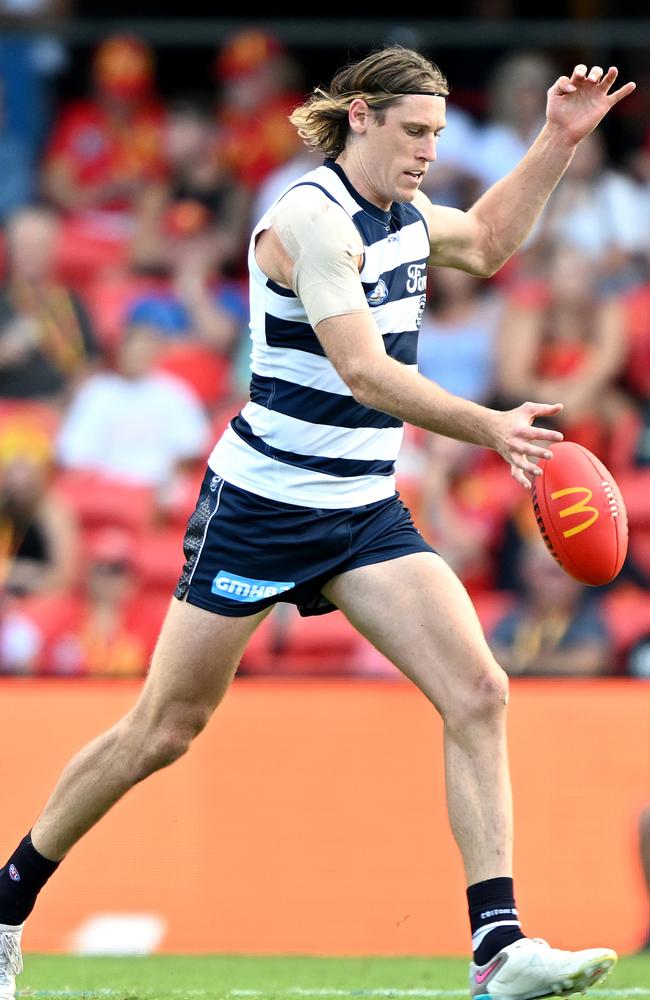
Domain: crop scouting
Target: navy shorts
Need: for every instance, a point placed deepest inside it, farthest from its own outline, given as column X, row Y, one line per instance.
column 244, row 553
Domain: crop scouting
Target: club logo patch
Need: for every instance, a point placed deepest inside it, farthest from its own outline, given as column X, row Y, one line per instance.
column 378, row 294
column 14, row 874
column 244, row 589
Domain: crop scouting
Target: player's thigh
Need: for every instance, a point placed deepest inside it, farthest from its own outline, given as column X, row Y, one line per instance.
column 194, row 661
column 416, row 612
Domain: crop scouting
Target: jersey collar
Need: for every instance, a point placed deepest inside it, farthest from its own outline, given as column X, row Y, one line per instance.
column 373, row 210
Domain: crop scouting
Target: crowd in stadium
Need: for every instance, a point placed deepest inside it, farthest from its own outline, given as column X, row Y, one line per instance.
column 124, row 351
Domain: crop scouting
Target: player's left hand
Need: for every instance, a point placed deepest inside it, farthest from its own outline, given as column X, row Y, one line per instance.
column 577, row 103
column 519, row 443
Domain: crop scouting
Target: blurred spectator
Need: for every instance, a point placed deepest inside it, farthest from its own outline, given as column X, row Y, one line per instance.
column 18, row 643
column 38, row 533
column 16, row 165
column 198, row 198
column 103, row 150
column 603, row 214
column 553, row 629
column 104, row 629
column 560, row 341
column 457, row 341
column 464, row 502
column 516, row 109
column 200, row 319
column 637, row 322
column 47, row 343
column 638, row 665
column 258, row 88
column 134, row 423
column 30, row 57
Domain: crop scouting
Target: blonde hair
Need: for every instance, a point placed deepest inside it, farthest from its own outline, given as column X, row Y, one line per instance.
column 380, row 79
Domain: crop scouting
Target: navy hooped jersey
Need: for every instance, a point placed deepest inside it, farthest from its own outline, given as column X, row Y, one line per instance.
column 303, row 438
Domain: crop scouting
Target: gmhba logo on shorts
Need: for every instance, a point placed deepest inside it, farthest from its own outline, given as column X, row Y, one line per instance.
column 242, row 588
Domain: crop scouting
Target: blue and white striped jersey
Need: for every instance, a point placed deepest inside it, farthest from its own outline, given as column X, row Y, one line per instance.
column 303, row 438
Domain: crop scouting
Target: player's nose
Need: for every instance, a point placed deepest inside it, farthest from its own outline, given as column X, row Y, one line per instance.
column 428, row 151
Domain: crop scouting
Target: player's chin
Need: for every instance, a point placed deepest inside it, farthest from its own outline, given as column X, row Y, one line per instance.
column 405, row 193
column 408, row 187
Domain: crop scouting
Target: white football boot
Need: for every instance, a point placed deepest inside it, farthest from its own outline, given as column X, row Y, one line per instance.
column 11, row 960
column 530, row 968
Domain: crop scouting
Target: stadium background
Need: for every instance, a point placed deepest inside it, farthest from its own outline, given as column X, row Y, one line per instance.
column 340, row 854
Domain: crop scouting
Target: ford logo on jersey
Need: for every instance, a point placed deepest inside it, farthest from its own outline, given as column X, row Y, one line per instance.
column 242, row 588
column 379, row 293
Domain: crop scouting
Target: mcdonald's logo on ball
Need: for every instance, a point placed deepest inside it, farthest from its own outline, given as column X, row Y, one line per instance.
column 581, row 514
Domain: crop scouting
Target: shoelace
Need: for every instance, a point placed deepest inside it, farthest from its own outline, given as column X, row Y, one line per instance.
column 10, row 945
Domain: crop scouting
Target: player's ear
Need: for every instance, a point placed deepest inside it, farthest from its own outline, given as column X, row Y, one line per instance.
column 358, row 114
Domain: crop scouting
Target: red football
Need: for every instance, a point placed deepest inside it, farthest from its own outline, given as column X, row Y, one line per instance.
column 581, row 514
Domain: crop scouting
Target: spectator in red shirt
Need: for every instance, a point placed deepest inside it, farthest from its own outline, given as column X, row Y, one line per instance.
column 258, row 91
column 560, row 337
column 104, row 149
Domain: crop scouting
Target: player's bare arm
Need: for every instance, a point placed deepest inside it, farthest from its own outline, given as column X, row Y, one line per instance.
column 484, row 238
column 355, row 348
column 312, row 247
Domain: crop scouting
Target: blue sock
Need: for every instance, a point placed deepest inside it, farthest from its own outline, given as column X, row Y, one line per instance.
column 493, row 917
column 21, row 880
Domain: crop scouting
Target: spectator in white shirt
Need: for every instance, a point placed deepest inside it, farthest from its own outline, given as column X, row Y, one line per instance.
column 517, row 102
column 602, row 213
column 134, row 423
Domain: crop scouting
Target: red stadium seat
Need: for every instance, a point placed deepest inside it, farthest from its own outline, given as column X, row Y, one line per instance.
column 84, row 252
column 108, row 298
column 491, row 606
column 205, row 371
column 634, row 485
column 99, row 501
column 158, row 554
column 323, row 644
column 627, row 616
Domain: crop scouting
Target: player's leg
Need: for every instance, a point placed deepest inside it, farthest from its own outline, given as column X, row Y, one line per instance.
column 194, row 661
column 644, row 856
column 416, row 612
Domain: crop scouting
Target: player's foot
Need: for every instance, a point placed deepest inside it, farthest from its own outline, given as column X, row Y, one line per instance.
column 531, row 968
column 11, row 960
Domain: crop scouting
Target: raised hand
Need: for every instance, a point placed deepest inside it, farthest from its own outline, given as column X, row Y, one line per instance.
column 578, row 103
column 518, row 441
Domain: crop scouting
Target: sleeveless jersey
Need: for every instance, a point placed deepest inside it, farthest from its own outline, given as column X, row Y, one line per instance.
column 303, row 438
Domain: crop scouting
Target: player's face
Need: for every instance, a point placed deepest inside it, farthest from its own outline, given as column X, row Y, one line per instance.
column 394, row 157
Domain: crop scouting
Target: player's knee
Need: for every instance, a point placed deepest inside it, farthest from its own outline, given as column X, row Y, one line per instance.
column 169, row 738
column 482, row 702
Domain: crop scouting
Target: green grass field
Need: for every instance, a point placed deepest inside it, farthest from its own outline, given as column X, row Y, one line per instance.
column 169, row 977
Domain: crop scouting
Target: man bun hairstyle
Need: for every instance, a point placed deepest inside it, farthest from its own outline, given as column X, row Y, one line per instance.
column 380, row 79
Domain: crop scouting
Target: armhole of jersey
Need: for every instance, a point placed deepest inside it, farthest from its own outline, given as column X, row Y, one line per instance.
column 262, row 227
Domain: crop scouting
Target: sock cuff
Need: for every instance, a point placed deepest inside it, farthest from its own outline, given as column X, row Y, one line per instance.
column 36, row 861
column 490, row 891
